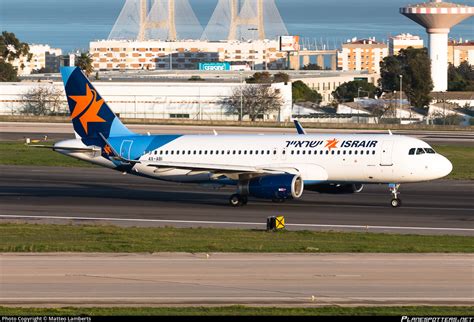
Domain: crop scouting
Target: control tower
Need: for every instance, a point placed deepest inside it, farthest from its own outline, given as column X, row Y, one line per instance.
column 438, row 18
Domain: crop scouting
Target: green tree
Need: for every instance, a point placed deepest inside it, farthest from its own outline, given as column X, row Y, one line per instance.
column 311, row 66
column 461, row 78
column 350, row 90
column 12, row 48
column 281, row 78
column 84, row 61
column 260, row 78
column 8, row 73
column 302, row 93
column 415, row 67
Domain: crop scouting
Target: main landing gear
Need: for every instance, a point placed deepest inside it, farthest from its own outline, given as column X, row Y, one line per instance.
column 395, row 202
column 238, row 200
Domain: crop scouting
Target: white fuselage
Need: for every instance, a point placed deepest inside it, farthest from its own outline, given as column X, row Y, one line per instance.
column 355, row 158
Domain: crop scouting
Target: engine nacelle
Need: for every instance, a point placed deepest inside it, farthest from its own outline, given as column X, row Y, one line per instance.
column 337, row 188
column 278, row 186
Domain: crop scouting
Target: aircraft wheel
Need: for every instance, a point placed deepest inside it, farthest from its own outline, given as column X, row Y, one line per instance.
column 396, row 202
column 236, row 200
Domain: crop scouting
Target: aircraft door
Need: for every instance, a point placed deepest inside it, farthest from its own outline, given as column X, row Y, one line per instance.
column 386, row 153
column 125, row 149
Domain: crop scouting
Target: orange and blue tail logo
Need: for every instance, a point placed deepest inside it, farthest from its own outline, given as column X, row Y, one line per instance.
column 91, row 116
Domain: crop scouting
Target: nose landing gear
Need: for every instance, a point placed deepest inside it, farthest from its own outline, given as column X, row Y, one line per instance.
column 395, row 202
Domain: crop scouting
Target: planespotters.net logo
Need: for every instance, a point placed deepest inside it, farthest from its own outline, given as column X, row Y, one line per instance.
column 436, row 319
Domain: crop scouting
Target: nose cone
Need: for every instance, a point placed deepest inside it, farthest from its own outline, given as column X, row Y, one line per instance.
column 443, row 167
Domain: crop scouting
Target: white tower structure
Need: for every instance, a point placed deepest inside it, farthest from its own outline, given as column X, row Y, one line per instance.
column 438, row 18
column 245, row 20
column 156, row 20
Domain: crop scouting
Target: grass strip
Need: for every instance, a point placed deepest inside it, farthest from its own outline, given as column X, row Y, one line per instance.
column 16, row 153
column 242, row 310
column 462, row 159
column 17, row 237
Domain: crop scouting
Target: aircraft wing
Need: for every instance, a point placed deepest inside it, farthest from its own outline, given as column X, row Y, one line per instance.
column 217, row 168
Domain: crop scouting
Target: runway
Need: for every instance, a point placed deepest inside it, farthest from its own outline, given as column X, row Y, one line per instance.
column 10, row 131
column 97, row 195
column 222, row 279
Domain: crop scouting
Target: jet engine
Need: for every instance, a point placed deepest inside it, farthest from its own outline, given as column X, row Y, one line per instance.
column 275, row 187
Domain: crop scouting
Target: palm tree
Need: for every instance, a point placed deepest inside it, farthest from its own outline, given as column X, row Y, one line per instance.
column 84, row 61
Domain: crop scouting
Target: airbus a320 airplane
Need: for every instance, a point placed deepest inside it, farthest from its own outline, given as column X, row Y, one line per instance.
column 273, row 167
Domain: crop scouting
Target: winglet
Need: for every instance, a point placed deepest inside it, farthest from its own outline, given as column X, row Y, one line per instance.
column 390, row 132
column 299, row 128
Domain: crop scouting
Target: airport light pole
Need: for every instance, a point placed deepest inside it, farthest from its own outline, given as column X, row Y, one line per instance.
column 241, row 97
column 401, row 89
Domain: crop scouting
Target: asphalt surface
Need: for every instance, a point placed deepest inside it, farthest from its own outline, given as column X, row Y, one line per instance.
column 221, row 279
column 60, row 131
column 93, row 195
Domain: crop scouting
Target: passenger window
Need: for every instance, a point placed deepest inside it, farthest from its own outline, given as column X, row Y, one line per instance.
column 367, row 152
column 327, row 152
column 166, row 152
column 298, row 152
column 303, row 152
column 274, row 151
column 283, row 152
column 292, row 152
column 177, row 152
column 211, row 152
column 344, row 152
column 420, row 151
column 338, row 152
column 268, row 151
column 355, row 152
column 251, row 152
column 332, row 152
column 161, row 152
column 373, row 152
column 321, row 152
column 245, row 152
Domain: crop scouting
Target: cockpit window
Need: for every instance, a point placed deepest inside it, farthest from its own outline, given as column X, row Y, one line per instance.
column 412, row 151
column 430, row 151
column 420, row 151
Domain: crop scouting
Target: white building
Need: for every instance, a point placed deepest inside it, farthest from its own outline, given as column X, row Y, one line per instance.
column 440, row 111
column 166, row 55
column 41, row 56
column 155, row 100
column 403, row 41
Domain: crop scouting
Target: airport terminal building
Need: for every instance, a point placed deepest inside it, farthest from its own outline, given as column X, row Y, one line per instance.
column 170, row 99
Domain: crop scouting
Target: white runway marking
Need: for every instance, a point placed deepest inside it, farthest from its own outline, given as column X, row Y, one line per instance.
column 237, row 223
